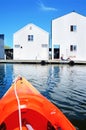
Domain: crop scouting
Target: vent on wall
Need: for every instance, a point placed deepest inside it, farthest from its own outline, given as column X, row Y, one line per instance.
column 30, row 28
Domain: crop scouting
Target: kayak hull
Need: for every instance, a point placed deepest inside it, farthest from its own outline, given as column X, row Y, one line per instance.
column 23, row 107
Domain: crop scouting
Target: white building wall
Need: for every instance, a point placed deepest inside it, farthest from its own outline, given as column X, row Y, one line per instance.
column 31, row 50
column 62, row 35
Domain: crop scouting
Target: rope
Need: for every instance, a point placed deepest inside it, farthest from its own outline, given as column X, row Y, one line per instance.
column 18, row 101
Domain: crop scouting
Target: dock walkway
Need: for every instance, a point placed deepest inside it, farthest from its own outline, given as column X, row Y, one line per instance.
column 43, row 62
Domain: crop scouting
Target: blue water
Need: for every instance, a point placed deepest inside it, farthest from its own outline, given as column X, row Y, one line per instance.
column 63, row 85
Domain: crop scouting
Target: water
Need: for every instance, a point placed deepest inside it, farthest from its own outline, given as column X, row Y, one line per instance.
column 63, row 85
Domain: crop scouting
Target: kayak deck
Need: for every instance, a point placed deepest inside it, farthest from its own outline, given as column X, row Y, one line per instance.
column 24, row 108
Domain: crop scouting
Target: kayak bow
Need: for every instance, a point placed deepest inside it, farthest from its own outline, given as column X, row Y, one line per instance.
column 24, row 108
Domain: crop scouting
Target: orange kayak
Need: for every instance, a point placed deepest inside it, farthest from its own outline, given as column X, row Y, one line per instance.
column 24, row 108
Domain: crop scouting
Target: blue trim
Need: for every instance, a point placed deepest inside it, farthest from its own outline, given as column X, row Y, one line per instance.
column 56, row 46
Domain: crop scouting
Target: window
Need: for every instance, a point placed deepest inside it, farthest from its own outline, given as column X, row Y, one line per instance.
column 73, row 47
column 2, row 36
column 17, row 46
column 44, row 45
column 30, row 37
column 73, row 28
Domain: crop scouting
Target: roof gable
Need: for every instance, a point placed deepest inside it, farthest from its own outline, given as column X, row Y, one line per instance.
column 72, row 14
column 30, row 27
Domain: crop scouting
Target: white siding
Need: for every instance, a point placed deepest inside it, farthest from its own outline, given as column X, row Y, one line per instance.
column 31, row 50
column 62, row 35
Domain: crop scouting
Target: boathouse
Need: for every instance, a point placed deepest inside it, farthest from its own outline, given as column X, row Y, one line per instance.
column 1, row 46
column 69, row 37
column 31, row 43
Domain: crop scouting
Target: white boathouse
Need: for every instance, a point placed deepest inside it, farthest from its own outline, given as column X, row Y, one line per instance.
column 31, row 43
column 69, row 37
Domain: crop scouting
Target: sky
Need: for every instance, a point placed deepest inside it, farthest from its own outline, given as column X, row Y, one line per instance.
column 15, row 14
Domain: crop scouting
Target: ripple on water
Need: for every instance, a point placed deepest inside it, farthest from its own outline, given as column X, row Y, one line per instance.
column 63, row 85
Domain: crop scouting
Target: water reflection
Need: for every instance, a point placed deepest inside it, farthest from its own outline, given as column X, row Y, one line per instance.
column 5, row 78
column 65, row 86
column 52, row 82
column 2, row 73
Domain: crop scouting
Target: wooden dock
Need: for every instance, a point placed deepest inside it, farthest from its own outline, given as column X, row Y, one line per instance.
column 43, row 62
